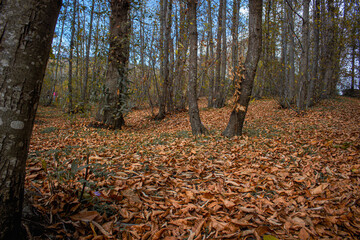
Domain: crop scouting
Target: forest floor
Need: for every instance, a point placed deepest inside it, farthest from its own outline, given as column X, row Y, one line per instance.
column 287, row 177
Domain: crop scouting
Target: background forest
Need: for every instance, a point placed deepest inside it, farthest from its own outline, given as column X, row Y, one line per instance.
column 310, row 51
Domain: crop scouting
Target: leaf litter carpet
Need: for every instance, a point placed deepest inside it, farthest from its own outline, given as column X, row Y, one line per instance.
column 287, row 177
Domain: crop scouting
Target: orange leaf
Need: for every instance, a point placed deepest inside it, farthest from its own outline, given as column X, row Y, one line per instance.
column 303, row 234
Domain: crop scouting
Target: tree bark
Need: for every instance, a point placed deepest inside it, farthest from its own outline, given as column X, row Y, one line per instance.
column 243, row 86
column 180, row 89
column 235, row 41
column 87, row 56
column 70, row 87
column 164, row 58
column 221, row 57
column 315, row 61
column 218, row 54
column 284, row 58
column 210, row 47
column 329, row 51
column 304, row 72
column 196, row 126
column 111, row 111
column 291, row 68
column 26, row 32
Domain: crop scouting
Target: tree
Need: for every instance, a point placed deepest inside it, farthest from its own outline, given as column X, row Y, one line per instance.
column 315, row 61
column 220, row 57
column 244, row 84
column 196, row 126
column 111, row 110
column 70, row 88
column 304, row 72
column 26, row 29
column 235, row 37
column 210, row 49
column 165, row 38
column 329, row 53
column 87, row 57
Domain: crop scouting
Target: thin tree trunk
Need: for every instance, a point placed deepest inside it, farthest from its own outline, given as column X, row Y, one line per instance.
column 210, row 43
column 164, row 59
column 243, row 86
column 26, row 32
column 196, row 126
column 168, row 58
column 180, row 96
column 220, row 100
column 58, row 54
column 235, row 42
column 70, row 87
column 353, row 55
column 96, row 69
column 87, row 56
column 218, row 76
column 284, row 58
column 291, row 68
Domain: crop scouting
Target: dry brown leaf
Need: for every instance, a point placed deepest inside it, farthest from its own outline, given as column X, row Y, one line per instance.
column 85, row 216
column 319, row 189
column 303, row 234
column 229, row 204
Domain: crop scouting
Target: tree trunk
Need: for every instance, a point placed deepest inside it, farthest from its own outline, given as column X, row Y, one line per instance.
column 87, row 56
column 58, row 55
column 96, row 67
column 243, row 86
column 70, row 87
column 196, row 126
column 329, row 51
column 218, row 76
column 111, row 111
column 283, row 88
column 164, row 58
column 315, row 61
column 210, row 46
column 221, row 57
column 168, row 64
column 235, row 42
column 291, row 68
column 26, row 30
column 180, row 90
column 304, row 72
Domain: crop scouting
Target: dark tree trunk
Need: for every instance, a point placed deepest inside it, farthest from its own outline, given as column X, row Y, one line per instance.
column 164, row 58
column 221, row 57
column 111, row 108
column 304, row 65
column 196, row 125
column 291, row 67
column 210, row 47
column 283, row 88
column 329, row 61
column 26, row 31
column 218, row 76
column 315, row 61
column 243, row 86
column 235, row 42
